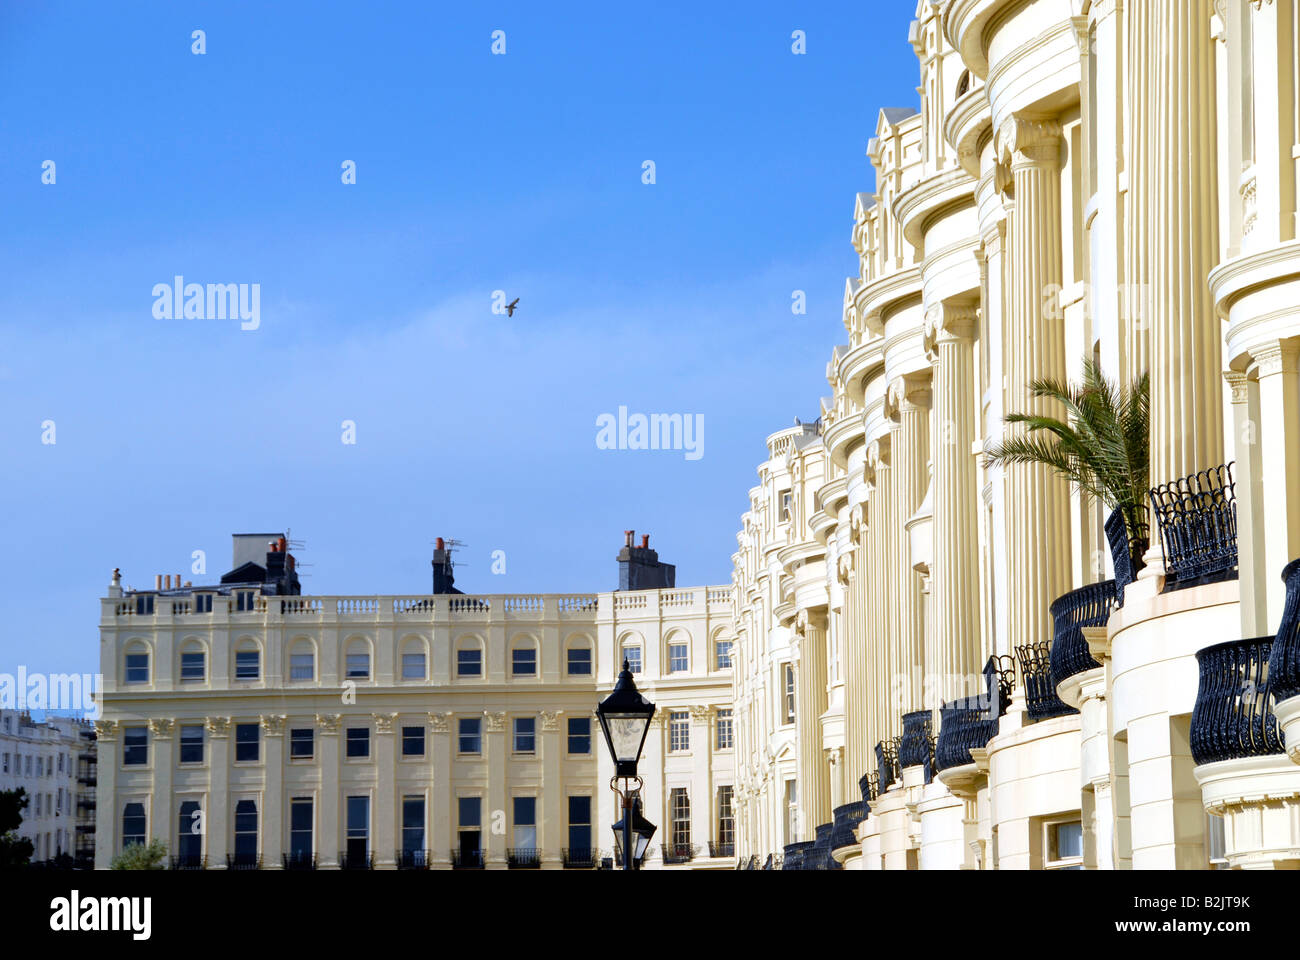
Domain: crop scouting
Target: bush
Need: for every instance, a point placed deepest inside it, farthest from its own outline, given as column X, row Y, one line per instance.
column 141, row 856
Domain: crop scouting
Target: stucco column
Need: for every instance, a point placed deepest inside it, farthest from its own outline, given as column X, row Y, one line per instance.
column 1037, row 500
column 702, row 798
column 857, row 650
column 216, row 817
column 1173, row 186
column 108, row 828
column 553, row 804
column 910, row 398
column 814, row 778
column 383, row 842
column 166, row 824
column 326, row 844
column 955, row 582
column 1248, row 477
column 883, row 532
column 1279, row 448
column 440, row 840
column 497, row 748
column 272, row 806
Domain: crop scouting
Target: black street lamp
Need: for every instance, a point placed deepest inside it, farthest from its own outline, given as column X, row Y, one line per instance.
column 642, row 830
column 625, row 720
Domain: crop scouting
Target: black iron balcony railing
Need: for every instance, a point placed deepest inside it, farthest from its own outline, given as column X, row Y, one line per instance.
column 189, row 861
column 581, row 858
column 1284, row 661
column 467, row 859
column 718, row 848
column 1197, row 516
column 678, row 852
column 795, row 854
column 1126, row 553
column 971, row 722
column 1089, row 606
column 298, row 861
column 845, row 824
column 412, row 859
column 888, row 771
column 869, row 786
column 767, row 864
column 1041, row 701
column 916, row 747
column 752, row 863
column 523, row 858
column 1233, row 717
column 243, row 861
column 356, row 861
column 86, row 799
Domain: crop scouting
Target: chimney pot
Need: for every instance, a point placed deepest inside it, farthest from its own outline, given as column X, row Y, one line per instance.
column 167, row 582
column 630, row 535
column 645, row 541
column 157, row 581
column 283, row 545
column 178, row 581
column 440, row 545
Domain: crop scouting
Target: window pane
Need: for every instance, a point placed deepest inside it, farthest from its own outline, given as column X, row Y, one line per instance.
column 301, row 742
column 469, row 735
column 137, row 668
column 358, row 666
column 191, row 744
column 192, row 666
column 358, row 742
column 525, row 734
column 580, row 661
column 469, row 662
column 412, row 666
column 523, row 661
column 580, row 735
column 633, row 657
column 412, row 741
column 247, row 665
column 246, row 742
column 302, row 666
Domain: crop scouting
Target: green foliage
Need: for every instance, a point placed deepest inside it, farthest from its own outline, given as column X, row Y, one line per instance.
column 15, row 851
column 142, row 856
column 1103, row 448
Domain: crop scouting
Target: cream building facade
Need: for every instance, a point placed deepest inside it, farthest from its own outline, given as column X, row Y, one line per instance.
column 946, row 665
column 248, row 726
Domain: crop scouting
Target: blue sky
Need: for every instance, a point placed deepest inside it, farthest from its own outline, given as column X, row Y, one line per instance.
column 474, row 173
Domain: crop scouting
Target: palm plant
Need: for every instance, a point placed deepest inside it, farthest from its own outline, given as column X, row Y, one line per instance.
column 1103, row 448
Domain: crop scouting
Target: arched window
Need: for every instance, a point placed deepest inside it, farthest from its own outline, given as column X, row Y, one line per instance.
column 135, row 662
column 133, row 824
column 722, row 647
column 194, row 661
column 356, row 659
column 578, row 657
column 678, row 650
column 469, row 657
column 523, row 657
column 629, row 650
column 415, row 659
column 302, row 660
column 963, row 83
column 248, row 659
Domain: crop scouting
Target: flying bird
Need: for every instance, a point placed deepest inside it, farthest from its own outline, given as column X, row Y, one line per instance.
column 510, row 307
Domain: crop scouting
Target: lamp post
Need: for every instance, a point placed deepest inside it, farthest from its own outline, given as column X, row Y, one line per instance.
column 625, row 720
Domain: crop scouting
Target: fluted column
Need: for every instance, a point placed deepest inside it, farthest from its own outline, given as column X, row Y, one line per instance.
column 955, row 582
column 814, row 777
column 857, row 701
column 910, row 397
column 1173, row 185
column 272, row 805
column 1037, row 500
column 882, row 532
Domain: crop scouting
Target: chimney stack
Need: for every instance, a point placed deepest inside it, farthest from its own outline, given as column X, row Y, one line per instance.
column 157, row 581
column 645, row 541
column 639, row 567
column 629, row 536
column 167, row 582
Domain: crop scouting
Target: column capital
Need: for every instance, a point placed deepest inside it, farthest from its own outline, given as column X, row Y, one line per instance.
column 384, row 722
column 106, row 730
column 440, row 722
column 496, row 722
column 1028, row 141
column 878, row 454
column 912, row 390
column 550, row 719
column 272, row 724
column 1276, row 356
column 951, row 321
column 701, row 712
column 217, row 727
column 160, row 728
column 329, row 723
column 1238, row 384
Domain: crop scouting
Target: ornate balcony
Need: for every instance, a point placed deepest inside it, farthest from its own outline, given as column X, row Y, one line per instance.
column 1125, row 554
column 887, row 769
column 356, row 861
column 718, row 849
column 1284, row 661
column 243, row 861
column 581, row 858
column 1089, row 606
column 467, row 859
column 524, row 858
column 412, row 859
column 869, row 785
column 1197, row 516
column 1233, row 717
column 678, row 852
column 971, row 722
column 795, row 853
column 845, row 825
column 189, row 861
column 916, row 747
column 298, row 861
column 819, row 856
column 1041, row 701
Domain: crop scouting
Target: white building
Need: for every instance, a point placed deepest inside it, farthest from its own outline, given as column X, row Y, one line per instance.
column 245, row 724
column 43, row 758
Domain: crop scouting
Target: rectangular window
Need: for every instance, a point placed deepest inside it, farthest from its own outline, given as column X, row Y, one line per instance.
column 246, row 742
column 468, row 832
column 135, row 747
column 133, row 824
column 525, row 823
column 580, row 661
column 679, row 804
column 358, row 742
column 678, row 661
column 632, row 654
column 787, row 501
column 144, row 606
column 525, row 734
column 203, row 603
column 723, row 727
column 471, row 740
column 726, row 822
column 413, row 741
column 189, row 833
column 579, row 827
column 245, row 832
column 244, row 601
column 792, row 811
column 580, row 735
column 679, row 731
column 723, row 652
column 523, row 661
column 300, row 829
column 6, row 766
column 788, row 683
column 358, row 666
column 302, row 666
column 412, row 666
column 301, row 743
column 192, row 666
column 469, row 662
column 1064, row 846
column 137, row 668
column 192, row 743
column 248, row 665
column 412, row 826
column 358, row 827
